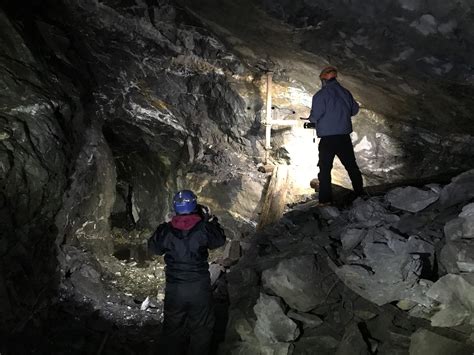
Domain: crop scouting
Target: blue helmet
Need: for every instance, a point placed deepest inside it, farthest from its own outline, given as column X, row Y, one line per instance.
column 184, row 202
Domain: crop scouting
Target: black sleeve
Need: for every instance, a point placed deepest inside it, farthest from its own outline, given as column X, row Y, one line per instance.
column 215, row 234
column 155, row 242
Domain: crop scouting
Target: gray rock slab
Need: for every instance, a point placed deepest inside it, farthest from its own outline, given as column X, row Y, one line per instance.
column 467, row 216
column 328, row 212
column 87, row 282
column 456, row 294
column 409, row 223
column 272, row 325
column 411, row 199
column 351, row 238
column 231, row 253
column 309, row 320
column 242, row 284
column 352, row 342
column 424, row 342
column 453, row 230
column 307, row 345
column 458, row 256
column 389, row 269
column 296, row 280
column 460, row 189
column 371, row 213
column 215, row 270
column 240, row 326
column 239, row 348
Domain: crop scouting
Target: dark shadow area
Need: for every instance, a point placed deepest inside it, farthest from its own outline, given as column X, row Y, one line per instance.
column 78, row 328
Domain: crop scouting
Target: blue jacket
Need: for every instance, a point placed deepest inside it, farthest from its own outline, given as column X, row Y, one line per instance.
column 332, row 109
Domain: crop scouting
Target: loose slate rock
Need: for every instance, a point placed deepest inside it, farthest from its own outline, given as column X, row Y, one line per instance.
column 424, row 342
column 459, row 190
column 467, row 216
column 456, row 294
column 296, row 281
column 352, row 342
column 371, row 213
column 453, row 230
column 411, row 199
column 309, row 320
column 351, row 238
column 458, row 256
column 390, row 268
column 87, row 282
column 273, row 326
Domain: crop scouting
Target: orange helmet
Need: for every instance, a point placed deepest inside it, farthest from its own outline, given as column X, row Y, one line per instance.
column 328, row 73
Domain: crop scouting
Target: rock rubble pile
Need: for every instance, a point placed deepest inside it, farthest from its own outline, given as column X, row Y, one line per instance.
column 389, row 274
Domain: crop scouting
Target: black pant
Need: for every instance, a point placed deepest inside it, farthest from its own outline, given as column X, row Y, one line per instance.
column 329, row 147
column 188, row 318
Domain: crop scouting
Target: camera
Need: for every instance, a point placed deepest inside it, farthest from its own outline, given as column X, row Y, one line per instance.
column 309, row 125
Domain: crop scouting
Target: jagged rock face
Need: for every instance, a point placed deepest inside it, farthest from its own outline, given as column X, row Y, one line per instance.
column 407, row 63
column 33, row 159
column 164, row 88
column 111, row 107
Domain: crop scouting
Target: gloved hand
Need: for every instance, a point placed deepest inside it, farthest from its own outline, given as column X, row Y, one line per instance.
column 213, row 219
column 204, row 212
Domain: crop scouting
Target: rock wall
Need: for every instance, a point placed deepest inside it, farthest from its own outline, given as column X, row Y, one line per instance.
column 107, row 109
column 172, row 102
column 408, row 65
column 36, row 106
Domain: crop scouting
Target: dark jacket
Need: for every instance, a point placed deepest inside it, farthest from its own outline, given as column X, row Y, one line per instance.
column 185, row 242
column 332, row 109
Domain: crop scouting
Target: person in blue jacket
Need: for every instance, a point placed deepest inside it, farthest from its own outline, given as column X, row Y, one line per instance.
column 188, row 309
column 332, row 109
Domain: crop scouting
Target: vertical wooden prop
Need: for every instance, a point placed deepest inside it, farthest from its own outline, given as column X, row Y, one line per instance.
column 268, row 119
column 275, row 199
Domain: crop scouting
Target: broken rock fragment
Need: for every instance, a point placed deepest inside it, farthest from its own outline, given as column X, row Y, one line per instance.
column 424, row 342
column 411, row 199
column 309, row 320
column 351, row 238
column 272, row 325
column 455, row 293
column 371, row 213
column 352, row 342
column 390, row 268
column 458, row 256
column 460, row 189
column 296, row 280
column 467, row 216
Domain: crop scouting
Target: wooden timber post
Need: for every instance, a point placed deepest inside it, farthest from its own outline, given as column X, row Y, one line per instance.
column 275, row 198
column 268, row 119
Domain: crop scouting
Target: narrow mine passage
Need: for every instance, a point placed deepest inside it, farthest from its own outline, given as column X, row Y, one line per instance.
column 108, row 108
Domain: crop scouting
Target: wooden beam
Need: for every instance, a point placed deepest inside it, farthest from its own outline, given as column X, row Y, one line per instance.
column 275, row 198
column 284, row 122
column 268, row 119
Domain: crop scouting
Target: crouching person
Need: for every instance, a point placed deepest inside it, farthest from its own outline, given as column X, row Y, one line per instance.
column 184, row 241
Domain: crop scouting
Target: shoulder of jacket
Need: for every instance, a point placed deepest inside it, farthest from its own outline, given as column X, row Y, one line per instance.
column 163, row 227
column 321, row 93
